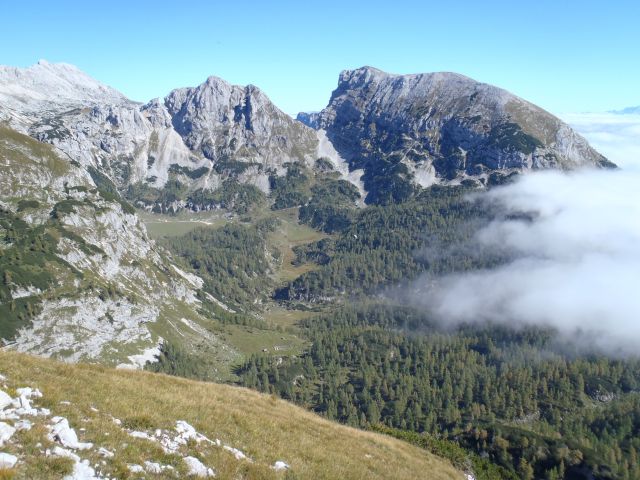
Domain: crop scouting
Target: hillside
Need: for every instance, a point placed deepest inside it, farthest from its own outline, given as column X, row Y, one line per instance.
column 105, row 406
column 80, row 278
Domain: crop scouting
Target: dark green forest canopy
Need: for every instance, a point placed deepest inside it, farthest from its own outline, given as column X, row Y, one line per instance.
column 385, row 245
column 515, row 403
column 507, row 394
column 231, row 260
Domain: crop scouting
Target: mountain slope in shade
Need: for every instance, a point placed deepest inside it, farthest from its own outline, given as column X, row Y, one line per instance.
column 444, row 127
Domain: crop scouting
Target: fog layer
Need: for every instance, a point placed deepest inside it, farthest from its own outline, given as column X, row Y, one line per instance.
column 575, row 265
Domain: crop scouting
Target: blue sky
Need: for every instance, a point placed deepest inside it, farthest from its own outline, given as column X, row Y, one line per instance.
column 565, row 55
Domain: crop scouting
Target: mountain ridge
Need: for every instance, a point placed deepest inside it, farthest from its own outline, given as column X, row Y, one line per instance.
column 198, row 136
column 428, row 128
column 445, row 127
column 40, row 82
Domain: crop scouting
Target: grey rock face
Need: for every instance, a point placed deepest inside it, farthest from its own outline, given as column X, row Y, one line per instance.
column 408, row 129
column 229, row 122
column 445, row 127
column 100, row 246
column 200, row 129
column 310, row 119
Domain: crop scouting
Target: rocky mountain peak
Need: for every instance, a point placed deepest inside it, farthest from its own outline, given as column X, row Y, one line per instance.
column 366, row 76
column 452, row 91
column 194, row 135
column 360, row 75
column 438, row 127
column 49, row 83
column 444, row 127
column 221, row 120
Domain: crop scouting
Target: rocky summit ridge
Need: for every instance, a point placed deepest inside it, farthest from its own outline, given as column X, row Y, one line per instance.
column 444, row 127
column 424, row 128
column 199, row 136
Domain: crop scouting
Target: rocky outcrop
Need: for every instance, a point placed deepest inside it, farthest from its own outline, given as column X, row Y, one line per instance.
column 227, row 122
column 444, row 127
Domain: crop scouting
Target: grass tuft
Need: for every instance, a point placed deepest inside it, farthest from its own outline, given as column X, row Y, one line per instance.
column 265, row 428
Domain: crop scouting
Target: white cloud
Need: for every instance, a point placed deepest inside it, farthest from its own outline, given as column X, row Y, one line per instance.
column 576, row 267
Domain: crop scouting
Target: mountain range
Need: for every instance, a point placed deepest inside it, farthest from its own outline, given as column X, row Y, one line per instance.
column 629, row 111
column 427, row 129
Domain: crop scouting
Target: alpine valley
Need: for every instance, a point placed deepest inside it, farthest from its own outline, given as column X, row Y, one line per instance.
column 209, row 235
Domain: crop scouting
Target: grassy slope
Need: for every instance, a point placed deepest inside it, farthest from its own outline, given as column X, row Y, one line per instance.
column 160, row 225
column 289, row 234
column 265, row 428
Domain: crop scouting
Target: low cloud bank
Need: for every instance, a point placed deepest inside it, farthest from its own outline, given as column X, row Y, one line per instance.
column 574, row 265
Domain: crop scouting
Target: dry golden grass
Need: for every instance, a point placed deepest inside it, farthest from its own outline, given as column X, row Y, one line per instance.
column 264, row 427
column 7, row 473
